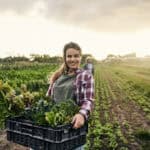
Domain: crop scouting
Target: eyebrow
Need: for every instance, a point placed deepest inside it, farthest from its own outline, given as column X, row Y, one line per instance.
column 73, row 55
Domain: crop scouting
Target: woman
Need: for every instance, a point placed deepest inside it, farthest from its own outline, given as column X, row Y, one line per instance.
column 71, row 82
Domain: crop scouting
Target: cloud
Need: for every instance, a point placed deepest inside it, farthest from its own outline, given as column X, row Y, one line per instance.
column 18, row 6
column 106, row 15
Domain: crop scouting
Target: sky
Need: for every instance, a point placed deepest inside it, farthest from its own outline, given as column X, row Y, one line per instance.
column 100, row 27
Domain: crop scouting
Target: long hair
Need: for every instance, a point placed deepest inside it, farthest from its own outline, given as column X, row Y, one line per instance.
column 64, row 68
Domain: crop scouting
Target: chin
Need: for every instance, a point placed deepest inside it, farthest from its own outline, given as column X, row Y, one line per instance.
column 74, row 68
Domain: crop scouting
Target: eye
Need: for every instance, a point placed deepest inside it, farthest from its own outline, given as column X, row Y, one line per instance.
column 69, row 56
column 77, row 55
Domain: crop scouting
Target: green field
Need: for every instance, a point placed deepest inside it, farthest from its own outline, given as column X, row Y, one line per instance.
column 121, row 116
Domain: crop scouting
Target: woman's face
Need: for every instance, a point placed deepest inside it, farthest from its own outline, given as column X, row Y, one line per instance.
column 73, row 58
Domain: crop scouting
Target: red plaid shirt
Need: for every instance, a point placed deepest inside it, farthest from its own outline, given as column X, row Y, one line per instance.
column 84, row 91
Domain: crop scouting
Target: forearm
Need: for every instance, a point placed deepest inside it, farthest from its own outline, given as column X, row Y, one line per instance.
column 86, row 108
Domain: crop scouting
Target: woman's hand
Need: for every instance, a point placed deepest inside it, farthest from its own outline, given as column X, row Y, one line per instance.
column 78, row 121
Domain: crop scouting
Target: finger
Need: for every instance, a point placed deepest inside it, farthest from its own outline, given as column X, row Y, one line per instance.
column 77, row 125
column 73, row 120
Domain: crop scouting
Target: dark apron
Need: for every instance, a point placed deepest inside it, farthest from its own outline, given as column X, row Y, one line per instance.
column 63, row 88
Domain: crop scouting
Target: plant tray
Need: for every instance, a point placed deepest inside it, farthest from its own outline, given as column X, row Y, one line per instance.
column 26, row 133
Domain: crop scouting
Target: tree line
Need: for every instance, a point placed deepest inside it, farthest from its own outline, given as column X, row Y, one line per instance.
column 39, row 58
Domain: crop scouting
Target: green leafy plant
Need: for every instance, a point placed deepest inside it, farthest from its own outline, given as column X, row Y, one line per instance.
column 61, row 113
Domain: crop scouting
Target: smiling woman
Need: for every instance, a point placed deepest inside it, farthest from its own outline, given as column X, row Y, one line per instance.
column 72, row 82
column 73, row 59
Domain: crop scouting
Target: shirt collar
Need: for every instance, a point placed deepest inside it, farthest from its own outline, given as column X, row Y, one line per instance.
column 79, row 70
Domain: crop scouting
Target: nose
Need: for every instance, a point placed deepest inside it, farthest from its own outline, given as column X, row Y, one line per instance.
column 72, row 58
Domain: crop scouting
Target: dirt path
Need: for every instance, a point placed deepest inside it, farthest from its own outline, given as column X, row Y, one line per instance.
column 6, row 145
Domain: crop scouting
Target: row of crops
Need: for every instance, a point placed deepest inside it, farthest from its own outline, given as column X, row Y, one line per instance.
column 121, row 117
column 33, row 75
column 22, row 87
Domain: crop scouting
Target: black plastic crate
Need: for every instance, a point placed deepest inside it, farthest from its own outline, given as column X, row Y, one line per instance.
column 60, row 133
column 26, row 133
column 19, row 138
column 38, row 144
column 19, row 124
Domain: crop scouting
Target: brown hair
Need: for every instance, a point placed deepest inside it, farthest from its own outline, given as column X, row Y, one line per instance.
column 64, row 68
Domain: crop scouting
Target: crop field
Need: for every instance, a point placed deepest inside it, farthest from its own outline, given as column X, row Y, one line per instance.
column 121, row 116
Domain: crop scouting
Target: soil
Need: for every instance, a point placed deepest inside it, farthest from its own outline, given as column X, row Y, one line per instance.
column 7, row 145
column 128, row 113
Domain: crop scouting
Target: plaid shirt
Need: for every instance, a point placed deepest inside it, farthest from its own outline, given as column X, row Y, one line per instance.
column 84, row 91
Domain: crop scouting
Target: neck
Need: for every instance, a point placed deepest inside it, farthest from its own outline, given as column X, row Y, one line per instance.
column 71, row 71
